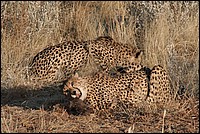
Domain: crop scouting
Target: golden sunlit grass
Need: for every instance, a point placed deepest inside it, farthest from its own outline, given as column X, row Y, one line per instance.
column 169, row 37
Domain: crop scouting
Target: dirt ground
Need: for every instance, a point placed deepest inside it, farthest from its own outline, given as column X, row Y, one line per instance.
column 48, row 110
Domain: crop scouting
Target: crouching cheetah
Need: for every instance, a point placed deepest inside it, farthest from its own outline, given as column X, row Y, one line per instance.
column 56, row 63
column 103, row 92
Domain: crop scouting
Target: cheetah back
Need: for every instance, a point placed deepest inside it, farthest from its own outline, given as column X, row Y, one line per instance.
column 56, row 63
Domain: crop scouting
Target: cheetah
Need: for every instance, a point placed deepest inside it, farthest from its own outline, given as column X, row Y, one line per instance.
column 107, row 53
column 101, row 91
column 56, row 63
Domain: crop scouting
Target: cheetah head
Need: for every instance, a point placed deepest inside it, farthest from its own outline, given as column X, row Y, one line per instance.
column 76, row 87
column 137, row 57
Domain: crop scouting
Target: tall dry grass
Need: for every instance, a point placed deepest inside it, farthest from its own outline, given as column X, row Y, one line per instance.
column 172, row 40
column 166, row 31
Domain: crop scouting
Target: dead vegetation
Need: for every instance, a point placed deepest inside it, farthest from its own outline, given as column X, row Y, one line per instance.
column 44, row 111
column 168, row 32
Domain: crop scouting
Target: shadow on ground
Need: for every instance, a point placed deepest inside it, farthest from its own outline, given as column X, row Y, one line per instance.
column 34, row 99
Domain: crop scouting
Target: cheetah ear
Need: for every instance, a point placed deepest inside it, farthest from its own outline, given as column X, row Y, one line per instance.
column 139, row 54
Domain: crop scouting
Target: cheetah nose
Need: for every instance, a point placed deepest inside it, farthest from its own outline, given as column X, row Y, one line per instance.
column 78, row 95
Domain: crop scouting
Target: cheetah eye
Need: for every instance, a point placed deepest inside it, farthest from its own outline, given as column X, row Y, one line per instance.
column 67, row 91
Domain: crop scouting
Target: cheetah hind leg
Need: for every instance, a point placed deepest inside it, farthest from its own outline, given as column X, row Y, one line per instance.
column 159, row 85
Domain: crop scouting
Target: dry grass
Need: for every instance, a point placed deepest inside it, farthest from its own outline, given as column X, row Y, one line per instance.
column 169, row 37
column 39, row 113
